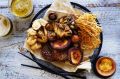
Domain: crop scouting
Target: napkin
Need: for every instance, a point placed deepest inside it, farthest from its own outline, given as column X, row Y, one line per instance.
column 61, row 7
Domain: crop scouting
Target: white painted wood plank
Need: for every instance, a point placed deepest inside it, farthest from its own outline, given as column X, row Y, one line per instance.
column 10, row 60
column 90, row 3
column 109, row 19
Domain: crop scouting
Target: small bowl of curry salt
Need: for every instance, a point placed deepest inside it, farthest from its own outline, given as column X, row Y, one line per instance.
column 105, row 67
column 5, row 26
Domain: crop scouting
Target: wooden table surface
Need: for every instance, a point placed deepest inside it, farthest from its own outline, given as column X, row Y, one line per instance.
column 108, row 13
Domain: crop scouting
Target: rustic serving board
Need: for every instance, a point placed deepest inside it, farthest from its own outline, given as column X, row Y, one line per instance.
column 108, row 13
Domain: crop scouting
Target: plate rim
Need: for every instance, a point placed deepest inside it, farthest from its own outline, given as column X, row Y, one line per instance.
column 95, row 55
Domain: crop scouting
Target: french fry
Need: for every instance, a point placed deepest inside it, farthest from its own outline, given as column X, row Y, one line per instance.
column 31, row 32
column 36, row 46
column 31, row 40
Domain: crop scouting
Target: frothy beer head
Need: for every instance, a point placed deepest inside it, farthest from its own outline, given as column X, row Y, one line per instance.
column 21, row 8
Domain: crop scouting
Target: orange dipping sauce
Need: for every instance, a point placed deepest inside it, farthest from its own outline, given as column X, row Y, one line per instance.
column 105, row 66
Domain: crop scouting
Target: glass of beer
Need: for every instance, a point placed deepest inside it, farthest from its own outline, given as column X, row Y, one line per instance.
column 21, row 8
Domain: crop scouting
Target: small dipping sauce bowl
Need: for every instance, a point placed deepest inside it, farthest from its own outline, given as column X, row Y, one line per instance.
column 105, row 67
column 6, row 26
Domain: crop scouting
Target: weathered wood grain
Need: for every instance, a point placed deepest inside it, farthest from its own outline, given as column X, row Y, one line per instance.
column 87, row 3
column 10, row 60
